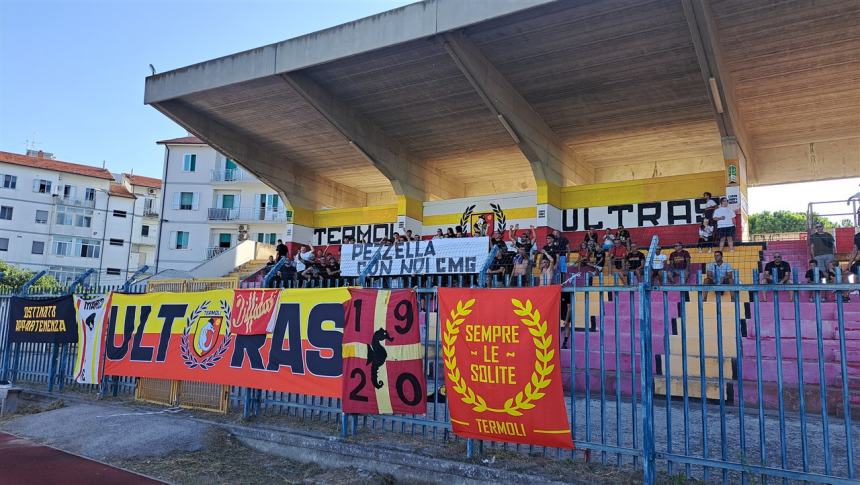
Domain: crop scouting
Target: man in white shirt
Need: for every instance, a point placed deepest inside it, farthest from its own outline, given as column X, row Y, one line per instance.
column 725, row 218
column 658, row 265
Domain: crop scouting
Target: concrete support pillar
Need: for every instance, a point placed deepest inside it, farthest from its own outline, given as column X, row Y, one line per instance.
column 410, row 214
column 736, row 183
column 549, row 210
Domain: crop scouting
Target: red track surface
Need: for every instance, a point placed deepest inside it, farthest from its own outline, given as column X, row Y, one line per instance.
column 25, row 462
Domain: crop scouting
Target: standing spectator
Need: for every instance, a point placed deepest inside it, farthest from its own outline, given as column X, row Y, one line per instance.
column 409, row 234
column 725, row 218
column 822, row 246
column 439, row 234
column 679, row 263
column 658, row 266
column 624, row 236
column 331, row 270
column 550, row 246
column 590, row 239
column 783, row 274
column 276, row 280
column 521, row 271
column 281, row 250
column 583, row 258
column 497, row 268
column 547, row 269
column 708, row 206
column 608, row 240
column 525, row 240
column 618, row 255
column 635, row 261
column 458, row 232
column 563, row 245
column 706, row 235
column 856, row 247
column 499, row 242
column 853, row 275
column 449, row 233
column 304, row 259
column 718, row 273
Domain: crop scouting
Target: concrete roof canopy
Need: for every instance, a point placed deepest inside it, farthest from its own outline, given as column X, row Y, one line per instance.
column 443, row 98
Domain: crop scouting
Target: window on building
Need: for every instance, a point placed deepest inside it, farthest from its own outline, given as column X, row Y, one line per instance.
column 69, row 191
column 6, row 212
column 9, row 181
column 144, row 230
column 116, row 242
column 41, row 217
column 224, row 240
column 63, row 246
column 189, row 163
column 148, row 205
column 181, row 240
column 42, row 186
column 228, row 201
column 4, row 243
column 114, row 271
column 185, row 201
column 268, row 238
column 90, row 194
column 67, row 274
column 38, row 247
column 119, row 213
column 64, row 218
column 82, row 220
column 88, row 248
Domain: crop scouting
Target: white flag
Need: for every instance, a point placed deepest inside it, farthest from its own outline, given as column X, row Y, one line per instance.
column 90, row 315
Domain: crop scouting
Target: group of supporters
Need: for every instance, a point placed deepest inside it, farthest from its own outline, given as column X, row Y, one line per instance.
column 307, row 265
column 823, row 268
column 718, row 224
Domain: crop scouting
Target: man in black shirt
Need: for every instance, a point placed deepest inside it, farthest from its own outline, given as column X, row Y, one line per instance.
column 783, row 274
column 281, row 249
column 635, row 258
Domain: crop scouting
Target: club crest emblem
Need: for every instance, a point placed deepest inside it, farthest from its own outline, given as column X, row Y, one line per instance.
column 483, row 223
column 206, row 336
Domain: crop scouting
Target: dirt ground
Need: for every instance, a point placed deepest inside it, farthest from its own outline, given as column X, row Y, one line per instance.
column 226, row 460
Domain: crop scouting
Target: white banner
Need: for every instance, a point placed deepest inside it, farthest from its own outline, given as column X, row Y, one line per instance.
column 433, row 256
column 90, row 316
column 643, row 214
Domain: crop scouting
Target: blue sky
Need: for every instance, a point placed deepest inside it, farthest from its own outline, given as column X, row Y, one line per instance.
column 72, row 73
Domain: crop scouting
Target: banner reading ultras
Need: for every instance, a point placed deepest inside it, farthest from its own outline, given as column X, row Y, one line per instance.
column 502, row 372
column 193, row 336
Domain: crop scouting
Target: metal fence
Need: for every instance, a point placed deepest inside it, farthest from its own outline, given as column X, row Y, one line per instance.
column 735, row 388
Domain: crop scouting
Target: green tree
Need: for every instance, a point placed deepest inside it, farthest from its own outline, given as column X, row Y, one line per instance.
column 14, row 278
column 783, row 221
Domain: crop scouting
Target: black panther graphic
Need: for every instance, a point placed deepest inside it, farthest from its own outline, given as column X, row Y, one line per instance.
column 376, row 355
column 90, row 322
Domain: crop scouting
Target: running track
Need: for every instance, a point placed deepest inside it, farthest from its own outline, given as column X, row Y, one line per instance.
column 22, row 461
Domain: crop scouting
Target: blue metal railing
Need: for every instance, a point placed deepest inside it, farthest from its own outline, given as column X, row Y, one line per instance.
column 734, row 389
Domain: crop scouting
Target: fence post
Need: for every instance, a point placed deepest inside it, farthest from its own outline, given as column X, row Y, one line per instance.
column 647, row 375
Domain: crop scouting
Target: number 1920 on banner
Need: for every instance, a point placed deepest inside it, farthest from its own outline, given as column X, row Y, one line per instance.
column 382, row 354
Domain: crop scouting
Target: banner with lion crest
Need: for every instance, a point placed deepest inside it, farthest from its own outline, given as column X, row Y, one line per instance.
column 502, row 372
column 221, row 337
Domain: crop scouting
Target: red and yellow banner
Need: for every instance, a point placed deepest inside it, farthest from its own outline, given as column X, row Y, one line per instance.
column 382, row 354
column 502, row 372
column 192, row 336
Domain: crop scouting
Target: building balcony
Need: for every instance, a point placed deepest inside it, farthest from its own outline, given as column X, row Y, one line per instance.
column 150, row 213
column 230, row 175
column 75, row 202
column 248, row 214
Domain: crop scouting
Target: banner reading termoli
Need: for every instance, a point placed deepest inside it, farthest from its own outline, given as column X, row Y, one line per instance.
column 287, row 341
column 49, row 321
column 433, row 256
column 502, row 372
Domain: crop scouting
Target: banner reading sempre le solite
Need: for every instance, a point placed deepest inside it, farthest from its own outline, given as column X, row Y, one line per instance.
column 502, row 372
column 50, row 321
column 193, row 336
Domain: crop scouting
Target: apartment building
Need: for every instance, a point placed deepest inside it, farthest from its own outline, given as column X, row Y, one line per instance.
column 210, row 205
column 66, row 218
column 145, row 223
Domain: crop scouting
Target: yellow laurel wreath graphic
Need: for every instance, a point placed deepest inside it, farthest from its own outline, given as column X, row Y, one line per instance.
column 540, row 378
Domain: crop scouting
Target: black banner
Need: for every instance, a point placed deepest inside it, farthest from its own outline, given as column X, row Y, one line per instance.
column 50, row 321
